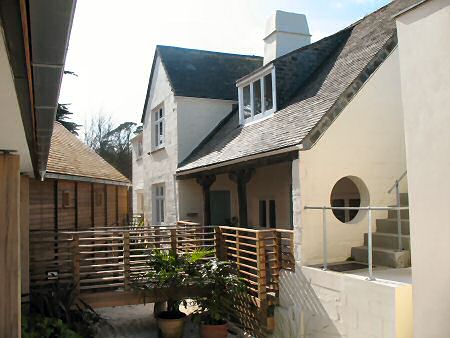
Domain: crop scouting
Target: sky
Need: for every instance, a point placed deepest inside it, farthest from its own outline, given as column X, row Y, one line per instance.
column 112, row 42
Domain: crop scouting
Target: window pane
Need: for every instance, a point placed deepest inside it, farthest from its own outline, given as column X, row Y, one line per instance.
column 162, row 210
column 156, row 135
column 268, row 99
column 272, row 214
column 257, row 97
column 158, row 217
column 156, row 116
column 262, row 214
column 247, row 103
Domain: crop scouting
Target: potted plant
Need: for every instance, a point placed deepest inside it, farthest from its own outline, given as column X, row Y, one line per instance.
column 167, row 273
column 225, row 285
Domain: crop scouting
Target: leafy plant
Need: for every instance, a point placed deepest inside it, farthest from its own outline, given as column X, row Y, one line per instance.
column 226, row 287
column 59, row 302
column 44, row 327
column 167, row 270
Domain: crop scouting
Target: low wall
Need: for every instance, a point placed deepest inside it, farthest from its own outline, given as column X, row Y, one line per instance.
column 316, row 303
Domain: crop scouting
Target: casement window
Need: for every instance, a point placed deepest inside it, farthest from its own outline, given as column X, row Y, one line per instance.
column 139, row 149
column 158, row 203
column 159, row 127
column 257, row 96
column 267, row 213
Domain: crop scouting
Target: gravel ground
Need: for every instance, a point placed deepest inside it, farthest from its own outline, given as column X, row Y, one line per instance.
column 134, row 321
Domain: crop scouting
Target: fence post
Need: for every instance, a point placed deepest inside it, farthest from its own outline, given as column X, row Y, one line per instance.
column 126, row 260
column 173, row 240
column 261, row 266
column 219, row 244
column 76, row 263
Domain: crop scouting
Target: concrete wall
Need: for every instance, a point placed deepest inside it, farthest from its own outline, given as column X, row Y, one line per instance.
column 365, row 141
column 316, row 303
column 196, row 118
column 424, row 48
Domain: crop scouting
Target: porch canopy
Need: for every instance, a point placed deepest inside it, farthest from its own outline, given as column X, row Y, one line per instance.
column 253, row 191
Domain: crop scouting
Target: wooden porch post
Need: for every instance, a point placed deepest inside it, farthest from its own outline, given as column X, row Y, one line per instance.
column 206, row 181
column 242, row 177
column 10, row 316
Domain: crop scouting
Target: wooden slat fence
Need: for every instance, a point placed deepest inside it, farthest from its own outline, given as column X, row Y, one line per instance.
column 104, row 261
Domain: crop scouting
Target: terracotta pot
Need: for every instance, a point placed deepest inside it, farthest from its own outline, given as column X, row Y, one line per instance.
column 214, row 331
column 171, row 325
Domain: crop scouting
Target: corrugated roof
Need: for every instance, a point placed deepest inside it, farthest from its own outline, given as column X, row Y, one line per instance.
column 70, row 156
column 346, row 61
column 202, row 73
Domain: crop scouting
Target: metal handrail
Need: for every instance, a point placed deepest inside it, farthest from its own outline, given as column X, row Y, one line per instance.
column 397, row 181
column 369, row 232
column 399, row 217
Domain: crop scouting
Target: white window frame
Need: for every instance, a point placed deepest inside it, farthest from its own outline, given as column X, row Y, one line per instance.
column 159, row 203
column 249, row 82
column 158, row 140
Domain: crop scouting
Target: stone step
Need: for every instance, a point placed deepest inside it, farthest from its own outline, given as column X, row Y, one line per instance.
column 383, row 257
column 404, row 199
column 389, row 225
column 404, row 214
column 387, row 240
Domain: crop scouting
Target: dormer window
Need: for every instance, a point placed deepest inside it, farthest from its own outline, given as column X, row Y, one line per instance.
column 257, row 96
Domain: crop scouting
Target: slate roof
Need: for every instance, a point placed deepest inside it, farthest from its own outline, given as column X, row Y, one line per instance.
column 314, row 84
column 70, row 156
column 201, row 73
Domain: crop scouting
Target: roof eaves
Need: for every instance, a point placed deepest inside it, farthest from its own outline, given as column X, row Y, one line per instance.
column 348, row 94
column 147, row 96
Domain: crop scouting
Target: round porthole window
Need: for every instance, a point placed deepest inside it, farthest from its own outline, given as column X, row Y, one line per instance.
column 349, row 191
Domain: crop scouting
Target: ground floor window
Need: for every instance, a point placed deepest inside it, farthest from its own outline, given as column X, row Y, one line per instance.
column 158, row 203
column 267, row 213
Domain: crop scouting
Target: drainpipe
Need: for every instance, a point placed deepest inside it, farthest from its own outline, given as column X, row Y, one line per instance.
column 175, row 194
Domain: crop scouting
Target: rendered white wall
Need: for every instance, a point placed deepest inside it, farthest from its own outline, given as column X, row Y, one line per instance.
column 325, row 304
column 12, row 134
column 160, row 165
column 424, row 48
column 196, row 119
column 138, row 173
column 366, row 140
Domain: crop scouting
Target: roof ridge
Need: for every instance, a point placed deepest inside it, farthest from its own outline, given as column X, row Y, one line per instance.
column 211, row 51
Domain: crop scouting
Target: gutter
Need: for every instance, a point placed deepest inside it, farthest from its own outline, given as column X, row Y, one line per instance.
column 85, row 179
column 297, row 147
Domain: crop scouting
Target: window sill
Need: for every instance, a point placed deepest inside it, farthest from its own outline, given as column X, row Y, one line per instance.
column 156, row 149
column 251, row 121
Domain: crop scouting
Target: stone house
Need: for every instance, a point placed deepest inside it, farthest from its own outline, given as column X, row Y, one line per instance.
column 316, row 124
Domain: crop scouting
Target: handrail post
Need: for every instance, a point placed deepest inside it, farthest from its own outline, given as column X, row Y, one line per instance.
column 126, row 260
column 399, row 219
column 369, row 245
column 76, row 263
column 325, row 244
column 173, row 240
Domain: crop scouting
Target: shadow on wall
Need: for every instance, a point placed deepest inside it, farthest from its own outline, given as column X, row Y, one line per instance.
column 301, row 313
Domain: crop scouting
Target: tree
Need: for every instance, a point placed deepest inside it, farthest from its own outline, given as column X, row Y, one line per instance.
column 62, row 116
column 113, row 144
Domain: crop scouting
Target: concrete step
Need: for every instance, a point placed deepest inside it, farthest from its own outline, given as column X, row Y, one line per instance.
column 387, row 240
column 383, row 257
column 389, row 225
column 404, row 199
column 404, row 214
